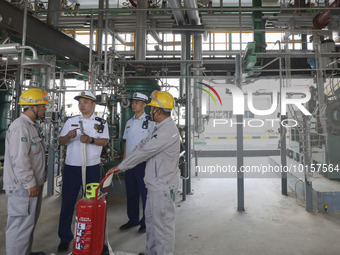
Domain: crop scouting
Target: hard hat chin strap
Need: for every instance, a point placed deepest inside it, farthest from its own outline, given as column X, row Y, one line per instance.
column 36, row 113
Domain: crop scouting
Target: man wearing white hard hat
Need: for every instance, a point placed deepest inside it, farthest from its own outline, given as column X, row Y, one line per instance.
column 89, row 129
column 137, row 128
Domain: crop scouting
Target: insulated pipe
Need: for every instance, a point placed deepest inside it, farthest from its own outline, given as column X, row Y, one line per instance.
column 100, row 28
column 183, row 65
column 141, row 30
column 53, row 13
column 177, row 12
column 199, row 124
column 154, row 33
column 10, row 48
column 106, row 38
column 121, row 40
column 91, row 80
column 193, row 15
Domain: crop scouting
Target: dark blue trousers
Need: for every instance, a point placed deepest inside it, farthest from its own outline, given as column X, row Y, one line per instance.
column 135, row 188
column 72, row 182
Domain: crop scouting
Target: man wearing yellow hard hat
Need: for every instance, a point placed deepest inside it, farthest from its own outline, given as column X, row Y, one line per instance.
column 161, row 151
column 24, row 173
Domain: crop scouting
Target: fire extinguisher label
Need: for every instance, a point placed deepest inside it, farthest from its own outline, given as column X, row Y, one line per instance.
column 83, row 233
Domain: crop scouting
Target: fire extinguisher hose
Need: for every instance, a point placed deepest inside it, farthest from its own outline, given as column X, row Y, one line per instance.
column 106, row 182
column 83, row 158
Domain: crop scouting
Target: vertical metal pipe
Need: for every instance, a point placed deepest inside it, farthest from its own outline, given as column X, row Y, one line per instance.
column 106, row 37
column 306, row 163
column 187, row 167
column 239, row 135
column 283, row 148
column 141, row 30
column 21, row 73
column 62, row 105
column 53, row 13
column 199, row 125
column 100, row 29
column 91, row 80
column 193, row 15
column 188, row 115
column 112, row 138
column 177, row 12
column 183, row 65
column 320, row 78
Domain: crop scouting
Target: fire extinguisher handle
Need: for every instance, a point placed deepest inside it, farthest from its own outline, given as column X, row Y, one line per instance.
column 101, row 184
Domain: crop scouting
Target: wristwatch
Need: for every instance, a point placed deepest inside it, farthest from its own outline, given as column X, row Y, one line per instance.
column 92, row 141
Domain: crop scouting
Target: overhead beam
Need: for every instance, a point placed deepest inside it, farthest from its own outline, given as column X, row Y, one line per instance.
column 42, row 34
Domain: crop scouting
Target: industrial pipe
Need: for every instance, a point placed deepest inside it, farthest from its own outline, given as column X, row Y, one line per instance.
column 177, row 12
column 141, row 30
column 322, row 19
column 199, row 123
column 193, row 15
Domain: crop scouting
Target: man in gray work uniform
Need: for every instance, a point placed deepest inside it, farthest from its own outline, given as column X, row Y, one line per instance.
column 161, row 151
column 24, row 173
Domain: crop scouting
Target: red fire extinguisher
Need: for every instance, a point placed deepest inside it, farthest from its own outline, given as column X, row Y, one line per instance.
column 90, row 222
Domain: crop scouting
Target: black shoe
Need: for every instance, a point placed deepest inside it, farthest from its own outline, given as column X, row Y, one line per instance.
column 62, row 247
column 142, row 229
column 38, row 253
column 126, row 226
column 141, row 253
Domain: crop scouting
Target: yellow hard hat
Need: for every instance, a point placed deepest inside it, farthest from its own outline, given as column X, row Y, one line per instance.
column 91, row 190
column 34, row 96
column 162, row 99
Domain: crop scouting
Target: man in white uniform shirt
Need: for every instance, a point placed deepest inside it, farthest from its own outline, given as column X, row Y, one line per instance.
column 95, row 136
column 137, row 128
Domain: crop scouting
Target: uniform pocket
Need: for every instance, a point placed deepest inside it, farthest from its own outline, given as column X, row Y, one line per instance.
column 35, row 145
column 18, row 206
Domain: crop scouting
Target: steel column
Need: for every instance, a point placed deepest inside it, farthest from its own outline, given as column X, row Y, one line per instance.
column 306, row 162
column 239, row 135
column 141, row 25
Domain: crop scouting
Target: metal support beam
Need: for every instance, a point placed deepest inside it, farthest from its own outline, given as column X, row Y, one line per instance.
column 41, row 34
column 232, row 154
column 239, row 135
column 307, row 161
column 187, row 171
column 283, row 149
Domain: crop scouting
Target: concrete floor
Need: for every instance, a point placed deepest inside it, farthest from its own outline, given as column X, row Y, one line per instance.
column 208, row 222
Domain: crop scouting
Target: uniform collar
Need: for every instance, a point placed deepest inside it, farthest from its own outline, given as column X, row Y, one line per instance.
column 28, row 119
column 142, row 117
column 168, row 119
column 91, row 117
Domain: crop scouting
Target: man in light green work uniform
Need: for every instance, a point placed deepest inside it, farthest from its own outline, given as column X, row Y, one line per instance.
column 161, row 151
column 24, row 173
